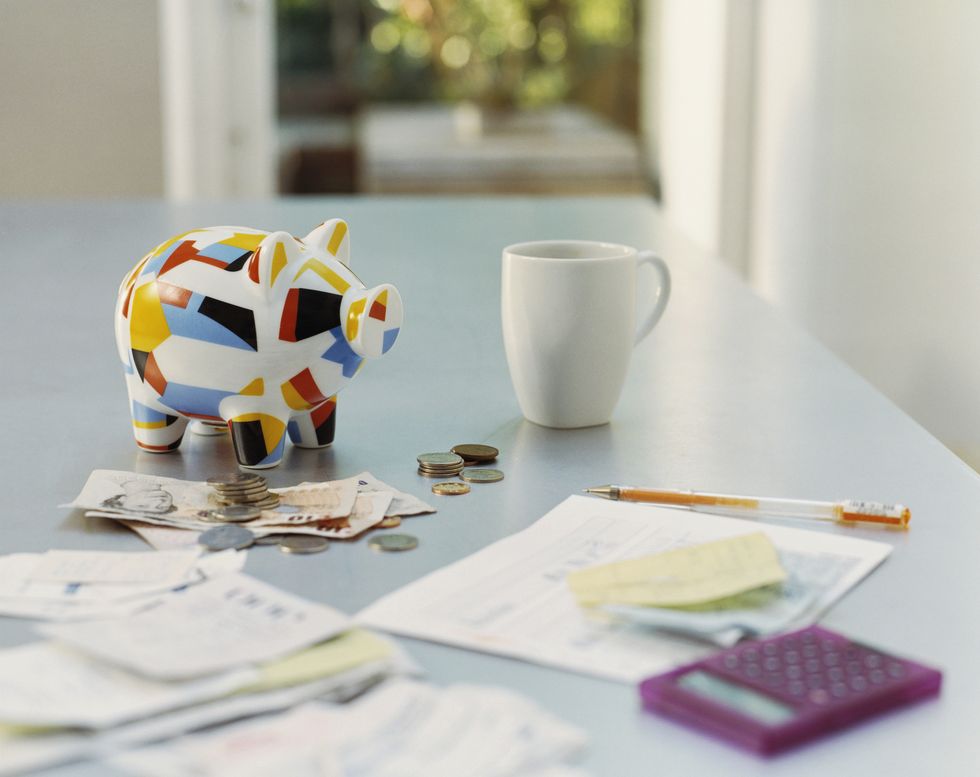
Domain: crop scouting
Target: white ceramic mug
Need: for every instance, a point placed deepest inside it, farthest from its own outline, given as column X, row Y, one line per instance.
column 569, row 317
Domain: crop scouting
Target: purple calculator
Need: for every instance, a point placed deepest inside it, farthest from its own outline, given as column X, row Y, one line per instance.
column 771, row 694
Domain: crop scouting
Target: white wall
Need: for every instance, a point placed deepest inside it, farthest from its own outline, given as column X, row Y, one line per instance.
column 79, row 86
column 867, row 193
column 861, row 177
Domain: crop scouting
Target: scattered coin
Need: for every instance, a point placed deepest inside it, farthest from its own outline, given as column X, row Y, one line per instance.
column 452, row 488
column 236, row 513
column 390, row 522
column 474, row 453
column 225, row 537
column 474, row 475
column 391, row 543
column 303, row 544
column 270, row 539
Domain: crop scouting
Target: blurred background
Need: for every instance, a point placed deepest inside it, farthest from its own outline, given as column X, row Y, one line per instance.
column 826, row 150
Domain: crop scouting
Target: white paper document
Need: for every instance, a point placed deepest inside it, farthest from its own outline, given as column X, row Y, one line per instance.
column 511, row 597
column 211, row 627
column 92, row 566
column 401, row 728
column 46, row 684
column 109, row 594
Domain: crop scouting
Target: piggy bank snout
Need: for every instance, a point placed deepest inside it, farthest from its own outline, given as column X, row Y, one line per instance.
column 371, row 319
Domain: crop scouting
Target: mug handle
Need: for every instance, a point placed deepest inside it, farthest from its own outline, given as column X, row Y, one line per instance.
column 658, row 264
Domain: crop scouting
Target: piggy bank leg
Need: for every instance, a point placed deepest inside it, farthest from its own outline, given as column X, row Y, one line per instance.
column 154, row 430
column 259, row 439
column 315, row 429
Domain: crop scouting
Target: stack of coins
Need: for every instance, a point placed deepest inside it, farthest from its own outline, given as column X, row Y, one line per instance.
column 440, row 465
column 474, row 453
column 240, row 488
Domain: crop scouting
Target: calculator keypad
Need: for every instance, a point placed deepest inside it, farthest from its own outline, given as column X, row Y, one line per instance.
column 809, row 668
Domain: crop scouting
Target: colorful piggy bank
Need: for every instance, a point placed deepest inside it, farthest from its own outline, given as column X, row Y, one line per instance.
column 256, row 330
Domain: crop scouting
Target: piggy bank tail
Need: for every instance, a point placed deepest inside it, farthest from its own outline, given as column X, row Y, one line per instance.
column 371, row 319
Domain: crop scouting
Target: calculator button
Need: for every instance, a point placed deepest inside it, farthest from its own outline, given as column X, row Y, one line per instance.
column 828, row 644
column 809, row 651
column 730, row 661
column 794, row 672
column 791, row 656
column 895, row 669
column 831, row 659
column 750, row 654
column 814, row 680
column 854, row 668
column 835, row 674
column 771, row 664
column 877, row 676
column 752, row 670
column 770, row 649
column 796, row 688
column 812, row 665
column 859, row 684
column 818, row 696
column 872, row 661
column 807, row 638
column 838, row 690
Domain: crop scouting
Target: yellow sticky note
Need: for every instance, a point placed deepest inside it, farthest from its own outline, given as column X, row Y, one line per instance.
column 682, row 577
column 350, row 649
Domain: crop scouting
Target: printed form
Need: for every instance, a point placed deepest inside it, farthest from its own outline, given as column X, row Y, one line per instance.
column 512, row 597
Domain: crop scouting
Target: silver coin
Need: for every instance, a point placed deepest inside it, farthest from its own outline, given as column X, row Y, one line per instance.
column 303, row 544
column 225, row 537
column 426, row 474
column 248, row 490
column 235, row 479
column 474, row 475
column 391, row 543
column 269, row 539
column 236, row 513
column 246, row 499
column 439, row 459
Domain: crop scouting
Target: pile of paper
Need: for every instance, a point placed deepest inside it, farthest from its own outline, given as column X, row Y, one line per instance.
column 402, row 728
column 513, row 598
column 170, row 513
column 715, row 590
column 81, row 584
column 228, row 647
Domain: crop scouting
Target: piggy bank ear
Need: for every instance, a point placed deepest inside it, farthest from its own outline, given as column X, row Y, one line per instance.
column 332, row 237
column 274, row 254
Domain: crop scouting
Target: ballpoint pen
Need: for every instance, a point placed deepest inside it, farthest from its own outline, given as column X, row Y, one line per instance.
column 846, row 511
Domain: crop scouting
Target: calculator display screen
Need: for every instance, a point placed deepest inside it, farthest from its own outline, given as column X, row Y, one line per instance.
column 736, row 697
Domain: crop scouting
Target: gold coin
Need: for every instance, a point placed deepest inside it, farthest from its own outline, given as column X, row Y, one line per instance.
column 303, row 544
column 390, row 522
column 453, row 488
column 476, row 453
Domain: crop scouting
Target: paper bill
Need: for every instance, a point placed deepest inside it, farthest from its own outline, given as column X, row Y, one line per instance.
column 160, row 537
column 223, row 623
column 402, row 504
column 187, row 504
column 795, row 603
column 684, row 576
column 369, row 510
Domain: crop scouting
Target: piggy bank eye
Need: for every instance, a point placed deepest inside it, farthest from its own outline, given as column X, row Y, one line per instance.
column 307, row 313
